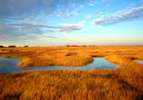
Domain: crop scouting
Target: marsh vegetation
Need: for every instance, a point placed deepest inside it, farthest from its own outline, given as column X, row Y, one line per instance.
column 123, row 83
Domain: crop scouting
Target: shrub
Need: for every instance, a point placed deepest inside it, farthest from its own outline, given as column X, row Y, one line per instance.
column 12, row 46
column 1, row 46
column 26, row 46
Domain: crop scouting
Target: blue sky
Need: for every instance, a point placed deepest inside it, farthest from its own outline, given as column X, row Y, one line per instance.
column 60, row 22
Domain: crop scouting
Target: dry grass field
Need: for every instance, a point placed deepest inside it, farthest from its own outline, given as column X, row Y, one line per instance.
column 124, row 83
column 69, row 56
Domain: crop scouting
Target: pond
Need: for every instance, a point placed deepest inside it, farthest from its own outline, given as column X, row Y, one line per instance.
column 9, row 65
column 139, row 61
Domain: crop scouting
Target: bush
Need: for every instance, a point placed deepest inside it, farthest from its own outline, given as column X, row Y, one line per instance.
column 12, row 46
column 1, row 46
column 26, row 46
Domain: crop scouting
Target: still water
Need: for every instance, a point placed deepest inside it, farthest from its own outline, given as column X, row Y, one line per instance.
column 139, row 61
column 9, row 65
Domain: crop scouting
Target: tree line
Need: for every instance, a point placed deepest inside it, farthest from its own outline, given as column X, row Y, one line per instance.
column 11, row 46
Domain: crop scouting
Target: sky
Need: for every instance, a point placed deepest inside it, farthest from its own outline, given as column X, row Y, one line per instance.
column 62, row 22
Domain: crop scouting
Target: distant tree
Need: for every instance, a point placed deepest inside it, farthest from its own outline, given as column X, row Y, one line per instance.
column 12, row 46
column 68, row 45
column 26, row 46
column 84, row 45
column 1, row 46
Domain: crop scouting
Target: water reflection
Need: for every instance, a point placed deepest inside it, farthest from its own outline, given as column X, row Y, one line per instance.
column 8, row 65
column 139, row 61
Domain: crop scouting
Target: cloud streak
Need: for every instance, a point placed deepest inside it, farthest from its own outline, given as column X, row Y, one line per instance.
column 124, row 15
column 22, row 8
column 71, row 27
column 25, row 30
column 20, row 31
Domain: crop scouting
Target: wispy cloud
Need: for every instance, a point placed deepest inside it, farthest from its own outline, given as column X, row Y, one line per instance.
column 124, row 15
column 71, row 27
column 92, row 2
column 23, row 31
column 72, row 9
column 34, row 7
column 11, row 31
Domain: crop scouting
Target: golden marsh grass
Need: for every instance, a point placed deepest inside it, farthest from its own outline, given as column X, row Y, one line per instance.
column 124, row 83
